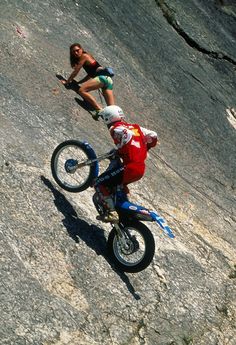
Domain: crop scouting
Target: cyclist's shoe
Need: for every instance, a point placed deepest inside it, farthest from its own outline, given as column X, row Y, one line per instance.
column 109, row 217
column 95, row 114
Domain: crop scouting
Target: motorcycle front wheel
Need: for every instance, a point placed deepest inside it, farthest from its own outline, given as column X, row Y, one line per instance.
column 134, row 250
column 70, row 165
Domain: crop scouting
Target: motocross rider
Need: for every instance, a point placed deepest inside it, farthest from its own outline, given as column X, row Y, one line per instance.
column 132, row 143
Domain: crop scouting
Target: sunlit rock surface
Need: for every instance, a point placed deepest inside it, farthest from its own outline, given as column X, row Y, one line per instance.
column 175, row 73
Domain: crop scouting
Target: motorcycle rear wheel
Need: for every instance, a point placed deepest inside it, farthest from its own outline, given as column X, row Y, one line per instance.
column 136, row 251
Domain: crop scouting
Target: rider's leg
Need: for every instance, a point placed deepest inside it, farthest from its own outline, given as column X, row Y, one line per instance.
column 103, row 186
column 108, row 204
column 105, row 196
column 133, row 172
column 107, row 90
column 85, row 88
column 109, row 96
column 126, row 189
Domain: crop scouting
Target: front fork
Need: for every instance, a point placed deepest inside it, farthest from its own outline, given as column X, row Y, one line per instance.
column 122, row 236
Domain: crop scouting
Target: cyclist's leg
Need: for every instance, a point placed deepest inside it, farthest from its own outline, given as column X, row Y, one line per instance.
column 107, row 88
column 86, row 87
column 109, row 96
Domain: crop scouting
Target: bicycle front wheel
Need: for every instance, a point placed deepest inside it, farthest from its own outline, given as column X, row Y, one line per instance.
column 70, row 165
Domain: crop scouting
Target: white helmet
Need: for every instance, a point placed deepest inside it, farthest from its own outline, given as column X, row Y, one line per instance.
column 111, row 114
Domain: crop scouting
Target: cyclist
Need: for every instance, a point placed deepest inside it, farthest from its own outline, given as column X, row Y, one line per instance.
column 132, row 143
column 96, row 78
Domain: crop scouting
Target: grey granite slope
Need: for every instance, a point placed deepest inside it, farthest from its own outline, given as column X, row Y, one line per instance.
column 175, row 73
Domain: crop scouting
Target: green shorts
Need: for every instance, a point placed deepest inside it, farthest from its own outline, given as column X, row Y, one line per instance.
column 107, row 81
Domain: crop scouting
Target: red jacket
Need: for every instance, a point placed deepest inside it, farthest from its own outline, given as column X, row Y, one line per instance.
column 132, row 142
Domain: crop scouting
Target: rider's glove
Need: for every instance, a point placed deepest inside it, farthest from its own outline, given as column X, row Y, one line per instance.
column 113, row 154
column 152, row 143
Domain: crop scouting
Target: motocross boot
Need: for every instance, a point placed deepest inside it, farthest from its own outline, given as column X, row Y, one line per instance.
column 109, row 217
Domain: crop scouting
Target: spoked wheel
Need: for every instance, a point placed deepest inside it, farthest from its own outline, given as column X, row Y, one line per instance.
column 71, row 166
column 134, row 251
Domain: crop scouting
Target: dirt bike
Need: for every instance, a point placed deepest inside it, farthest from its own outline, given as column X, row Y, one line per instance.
column 131, row 245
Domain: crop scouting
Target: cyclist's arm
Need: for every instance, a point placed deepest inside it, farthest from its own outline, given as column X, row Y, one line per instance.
column 77, row 68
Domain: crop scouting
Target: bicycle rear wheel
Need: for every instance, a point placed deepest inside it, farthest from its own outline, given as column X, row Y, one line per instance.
column 70, row 165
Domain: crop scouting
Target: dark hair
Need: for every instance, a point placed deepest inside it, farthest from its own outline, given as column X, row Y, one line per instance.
column 74, row 59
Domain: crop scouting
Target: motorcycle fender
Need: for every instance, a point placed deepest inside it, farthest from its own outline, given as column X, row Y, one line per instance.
column 92, row 155
column 133, row 209
column 147, row 215
column 162, row 223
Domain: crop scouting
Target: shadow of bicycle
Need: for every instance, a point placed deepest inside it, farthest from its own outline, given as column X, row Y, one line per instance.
column 78, row 229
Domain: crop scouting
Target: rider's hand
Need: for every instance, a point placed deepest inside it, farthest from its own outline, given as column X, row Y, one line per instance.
column 152, row 144
column 113, row 154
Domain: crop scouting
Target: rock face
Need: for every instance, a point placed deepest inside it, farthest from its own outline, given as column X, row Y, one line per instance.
column 175, row 73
